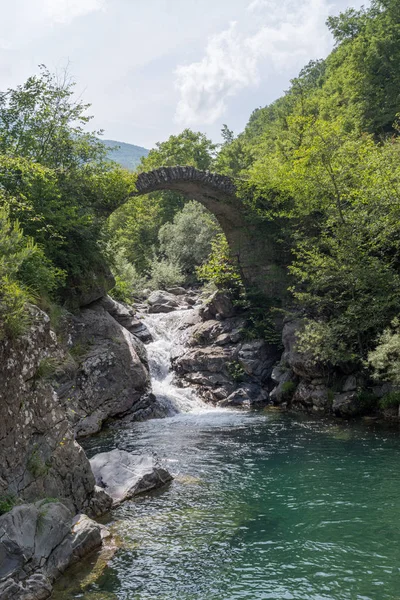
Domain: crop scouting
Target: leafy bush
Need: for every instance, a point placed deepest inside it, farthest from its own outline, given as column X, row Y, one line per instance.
column 366, row 401
column 128, row 283
column 385, row 359
column 221, row 268
column 187, row 240
column 15, row 249
column 25, row 275
column 392, row 399
column 164, row 274
column 288, row 388
column 236, row 371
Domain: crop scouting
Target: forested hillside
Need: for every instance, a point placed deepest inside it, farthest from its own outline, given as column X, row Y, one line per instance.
column 319, row 168
column 126, row 155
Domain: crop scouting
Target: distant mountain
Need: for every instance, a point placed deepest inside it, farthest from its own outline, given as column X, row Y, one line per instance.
column 127, row 155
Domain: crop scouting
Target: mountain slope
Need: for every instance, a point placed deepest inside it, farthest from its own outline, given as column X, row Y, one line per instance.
column 127, row 155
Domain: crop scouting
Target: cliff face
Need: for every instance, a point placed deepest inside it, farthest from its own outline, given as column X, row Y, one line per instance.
column 39, row 456
column 110, row 375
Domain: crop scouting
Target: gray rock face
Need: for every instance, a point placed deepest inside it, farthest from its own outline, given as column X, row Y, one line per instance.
column 162, row 302
column 177, row 291
column 123, row 475
column 219, row 306
column 301, row 380
column 303, row 364
column 287, row 383
column 95, row 285
column 37, row 543
column 37, row 447
column 126, row 317
column 111, row 375
column 346, row 405
column 246, row 396
column 312, row 397
column 224, row 368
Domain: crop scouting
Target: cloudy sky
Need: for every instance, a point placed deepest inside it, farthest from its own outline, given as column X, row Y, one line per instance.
column 153, row 67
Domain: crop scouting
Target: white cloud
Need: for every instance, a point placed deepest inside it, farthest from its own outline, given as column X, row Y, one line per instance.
column 64, row 11
column 292, row 32
column 24, row 21
column 257, row 4
column 227, row 67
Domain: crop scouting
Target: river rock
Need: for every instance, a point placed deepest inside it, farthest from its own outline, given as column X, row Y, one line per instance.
column 126, row 316
column 347, row 405
column 219, row 363
column 37, row 543
column 177, row 291
column 219, row 306
column 312, row 397
column 302, row 363
column 37, row 446
column 257, row 359
column 124, row 475
column 247, row 396
column 111, row 374
column 287, row 383
column 162, row 302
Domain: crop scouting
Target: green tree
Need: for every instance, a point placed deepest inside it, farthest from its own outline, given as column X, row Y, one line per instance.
column 187, row 240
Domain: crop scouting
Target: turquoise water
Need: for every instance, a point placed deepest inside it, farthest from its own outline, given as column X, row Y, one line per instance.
column 263, row 506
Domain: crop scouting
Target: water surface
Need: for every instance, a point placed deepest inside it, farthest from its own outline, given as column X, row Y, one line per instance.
column 263, row 506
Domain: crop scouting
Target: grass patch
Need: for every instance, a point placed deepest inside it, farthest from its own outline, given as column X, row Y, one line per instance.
column 236, row 371
column 7, row 503
column 390, row 400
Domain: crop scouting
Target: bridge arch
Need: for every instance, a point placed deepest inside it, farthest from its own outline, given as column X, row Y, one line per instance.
column 248, row 242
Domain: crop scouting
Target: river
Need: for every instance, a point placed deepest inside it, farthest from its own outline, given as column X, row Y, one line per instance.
column 263, row 506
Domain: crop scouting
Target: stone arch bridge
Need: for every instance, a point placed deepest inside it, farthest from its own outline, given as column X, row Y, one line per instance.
column 249, row 242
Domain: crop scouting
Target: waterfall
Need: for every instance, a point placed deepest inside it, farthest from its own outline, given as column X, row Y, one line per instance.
column 166, row 330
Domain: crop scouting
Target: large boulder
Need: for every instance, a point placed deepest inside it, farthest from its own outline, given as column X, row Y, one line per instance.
column 39, row 456
column 177, row 291
column 126, row 316
column 247, row 396
column 219, row 363
column 218, row 306
column 347, row 405
column 111, row 374
column 302, row 364
column 257, row 359
column 95, row 284
column 286, row 386
column 312, row 397
column 124, row 475
column 162, row 302
column 37, row 543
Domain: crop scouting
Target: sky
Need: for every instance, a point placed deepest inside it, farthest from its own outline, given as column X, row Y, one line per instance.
column 151, row 68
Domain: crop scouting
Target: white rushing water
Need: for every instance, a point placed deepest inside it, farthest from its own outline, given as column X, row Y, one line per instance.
column 167, row 331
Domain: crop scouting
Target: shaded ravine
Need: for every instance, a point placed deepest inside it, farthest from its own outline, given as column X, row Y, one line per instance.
column 263, row 505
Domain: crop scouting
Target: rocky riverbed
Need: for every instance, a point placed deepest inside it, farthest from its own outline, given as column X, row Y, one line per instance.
column 112, row 365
